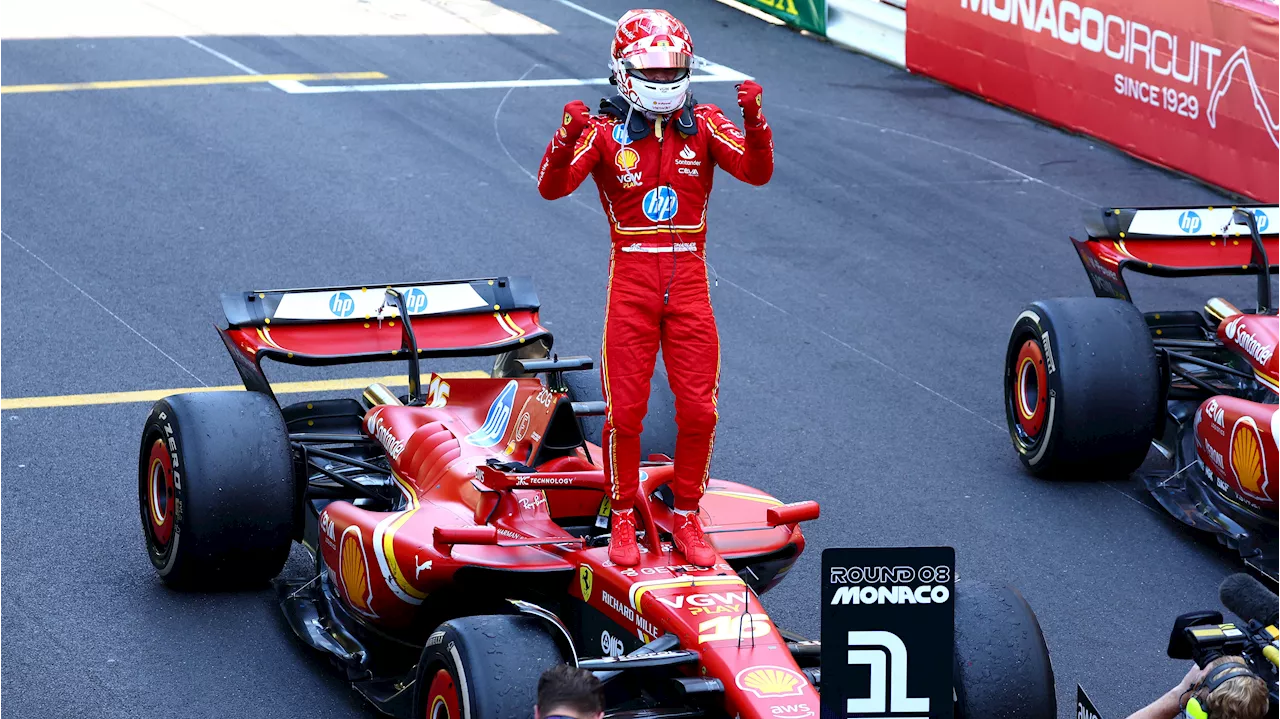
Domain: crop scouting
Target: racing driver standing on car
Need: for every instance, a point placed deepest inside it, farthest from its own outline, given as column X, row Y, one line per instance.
column 651, row 153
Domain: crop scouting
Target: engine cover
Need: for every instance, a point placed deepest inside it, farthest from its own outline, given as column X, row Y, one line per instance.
column 1236, row 443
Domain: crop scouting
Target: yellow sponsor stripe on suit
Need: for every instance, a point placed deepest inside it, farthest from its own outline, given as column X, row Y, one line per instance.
column 725, row 138
column 591, row 138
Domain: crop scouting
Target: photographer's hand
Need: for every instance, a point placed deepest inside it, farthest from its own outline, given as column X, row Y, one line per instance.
column 1171, row 703
column 1193, row 677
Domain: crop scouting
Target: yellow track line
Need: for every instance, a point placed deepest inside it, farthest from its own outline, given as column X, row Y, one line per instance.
column 188, row 81
column 151, row 395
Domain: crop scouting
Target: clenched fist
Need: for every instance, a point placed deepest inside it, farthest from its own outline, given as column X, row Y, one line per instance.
column 749, row 99
column 575, row 120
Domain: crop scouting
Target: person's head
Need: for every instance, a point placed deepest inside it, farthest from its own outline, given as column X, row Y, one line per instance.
column 651, row 57
column 1228, row 690
column 567, row 691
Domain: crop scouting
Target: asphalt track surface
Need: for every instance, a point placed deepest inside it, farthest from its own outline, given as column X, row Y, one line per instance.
column 864, row 301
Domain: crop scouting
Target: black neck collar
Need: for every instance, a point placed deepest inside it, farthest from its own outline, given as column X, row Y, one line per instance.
column 639, row 126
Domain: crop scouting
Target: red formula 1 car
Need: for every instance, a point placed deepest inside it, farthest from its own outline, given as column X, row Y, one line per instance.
column 459, row 532
column 1091, row 384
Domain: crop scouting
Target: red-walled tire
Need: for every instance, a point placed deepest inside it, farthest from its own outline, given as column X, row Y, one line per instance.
column 216, row 489
column 1081, row 387
column 484, row 667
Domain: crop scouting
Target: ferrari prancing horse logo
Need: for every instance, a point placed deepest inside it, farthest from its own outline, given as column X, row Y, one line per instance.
column 585, row 579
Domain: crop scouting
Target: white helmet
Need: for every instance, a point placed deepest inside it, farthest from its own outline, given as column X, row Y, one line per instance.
column 652, row 40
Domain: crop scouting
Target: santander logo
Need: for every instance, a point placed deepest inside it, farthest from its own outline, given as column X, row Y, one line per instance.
column 383, row 434
column 1237, row 331
column 688, row 157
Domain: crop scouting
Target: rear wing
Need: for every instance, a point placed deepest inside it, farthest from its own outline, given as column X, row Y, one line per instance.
column 1180, row 242
column 341, row 325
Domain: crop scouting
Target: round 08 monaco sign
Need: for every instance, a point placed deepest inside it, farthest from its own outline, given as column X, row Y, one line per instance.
column 1190, row 84
column 888, row 633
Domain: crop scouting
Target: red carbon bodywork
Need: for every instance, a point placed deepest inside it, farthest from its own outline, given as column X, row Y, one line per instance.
column 1182, row 253
column 1236, row 441
column 384, row 564
column 1253, row 337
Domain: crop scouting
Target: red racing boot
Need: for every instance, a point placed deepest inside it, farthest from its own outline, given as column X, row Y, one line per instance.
column 623, row 550
column 691, row 542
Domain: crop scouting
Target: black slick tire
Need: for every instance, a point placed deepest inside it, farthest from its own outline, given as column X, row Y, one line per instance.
column 1081, row 387
column 1002, row 663
column 216, row 489
column 483, row 667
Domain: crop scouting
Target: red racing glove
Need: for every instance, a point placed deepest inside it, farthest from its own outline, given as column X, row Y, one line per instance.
column 749, row 99
column 576, row 115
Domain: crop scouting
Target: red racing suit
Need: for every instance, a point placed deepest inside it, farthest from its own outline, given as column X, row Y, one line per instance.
column 654, row 182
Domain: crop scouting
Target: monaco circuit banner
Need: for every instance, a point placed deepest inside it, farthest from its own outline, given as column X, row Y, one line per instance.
column 808, row 15
column 1188, row 84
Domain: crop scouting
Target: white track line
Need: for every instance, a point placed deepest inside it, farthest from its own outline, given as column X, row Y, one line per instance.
column 498, row 135
column 293, row 87
column 715, row 73
column 589, row 13
column 229, row 60
column 1020, row 174
column 104, row 308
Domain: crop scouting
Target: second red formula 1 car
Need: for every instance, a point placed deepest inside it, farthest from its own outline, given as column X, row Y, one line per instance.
column 460, row 531
column 1092, row 383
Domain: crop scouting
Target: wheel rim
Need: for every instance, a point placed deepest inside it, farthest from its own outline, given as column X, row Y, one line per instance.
column 159, row 495
column 442, row 697
column 1030, row 391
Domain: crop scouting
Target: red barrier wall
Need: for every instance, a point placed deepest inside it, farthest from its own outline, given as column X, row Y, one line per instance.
column 1189, row 84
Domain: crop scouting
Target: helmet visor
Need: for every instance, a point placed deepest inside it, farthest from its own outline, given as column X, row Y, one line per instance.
column 657, row 59
column 660, row 75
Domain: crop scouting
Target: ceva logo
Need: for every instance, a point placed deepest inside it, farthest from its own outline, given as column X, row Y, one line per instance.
column 495, row 422
column 660, row 204
column 341, row 304
column 1189, row 222
column 415, row 301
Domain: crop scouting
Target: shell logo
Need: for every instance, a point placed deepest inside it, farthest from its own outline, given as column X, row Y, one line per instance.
column 353, row 570
column 1247, row 459
column 626, row 159
column 771, row 681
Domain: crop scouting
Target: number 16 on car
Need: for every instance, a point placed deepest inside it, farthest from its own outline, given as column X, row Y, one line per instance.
column 888, row 617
